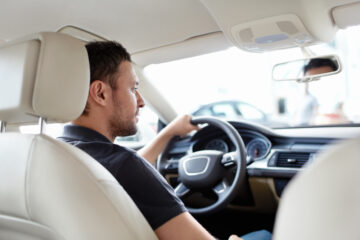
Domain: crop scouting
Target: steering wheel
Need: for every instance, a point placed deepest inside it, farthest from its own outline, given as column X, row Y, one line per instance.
column 206, row 169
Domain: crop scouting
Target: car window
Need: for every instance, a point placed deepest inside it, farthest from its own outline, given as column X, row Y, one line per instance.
column 236, row 75
column 225, row 110
column 51, row 129
column 250, row 113
column 147, row 129
column 204, row 112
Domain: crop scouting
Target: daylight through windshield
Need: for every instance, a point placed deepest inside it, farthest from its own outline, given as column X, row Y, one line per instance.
column 234, row 84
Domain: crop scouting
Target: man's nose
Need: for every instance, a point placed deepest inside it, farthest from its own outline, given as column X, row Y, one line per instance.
column 140, row 100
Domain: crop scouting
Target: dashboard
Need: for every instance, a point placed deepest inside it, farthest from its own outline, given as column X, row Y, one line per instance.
column 272, row 159
column 257, row 145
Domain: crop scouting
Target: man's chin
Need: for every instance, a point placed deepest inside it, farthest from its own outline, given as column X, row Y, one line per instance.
column 133, row 130
column 126, row 132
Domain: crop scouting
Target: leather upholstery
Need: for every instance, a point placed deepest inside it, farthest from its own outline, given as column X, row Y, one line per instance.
column 45, row 75
column 50, row 189
column 323, row 201
column 62, row 189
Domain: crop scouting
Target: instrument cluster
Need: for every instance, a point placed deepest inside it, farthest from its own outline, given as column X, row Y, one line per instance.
column 256, row 147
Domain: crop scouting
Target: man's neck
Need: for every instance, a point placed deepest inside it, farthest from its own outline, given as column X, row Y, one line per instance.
column 95, row 124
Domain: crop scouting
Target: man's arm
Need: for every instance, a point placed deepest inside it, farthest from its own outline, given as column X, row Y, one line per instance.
column 179, row 127
column 183, row 226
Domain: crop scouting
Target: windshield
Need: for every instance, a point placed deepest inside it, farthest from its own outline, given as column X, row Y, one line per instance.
column 234, row 84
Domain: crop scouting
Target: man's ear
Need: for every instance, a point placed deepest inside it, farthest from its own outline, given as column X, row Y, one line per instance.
column 99, row 92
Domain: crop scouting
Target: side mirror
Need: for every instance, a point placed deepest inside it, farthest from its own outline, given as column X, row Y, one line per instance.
column 307, row 69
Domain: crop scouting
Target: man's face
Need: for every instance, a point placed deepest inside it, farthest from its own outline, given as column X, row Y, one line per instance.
column 318, row 70
column 126, row 102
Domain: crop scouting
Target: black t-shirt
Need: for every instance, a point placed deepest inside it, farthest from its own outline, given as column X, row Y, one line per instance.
column 151, row 193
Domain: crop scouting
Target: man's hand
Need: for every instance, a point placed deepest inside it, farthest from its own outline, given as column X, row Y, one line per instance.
column 234, row 237
column 180, row 126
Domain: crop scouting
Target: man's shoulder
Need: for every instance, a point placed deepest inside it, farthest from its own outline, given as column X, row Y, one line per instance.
column 99, row 149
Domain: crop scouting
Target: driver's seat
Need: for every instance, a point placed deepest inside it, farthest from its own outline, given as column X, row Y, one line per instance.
column 49, row 189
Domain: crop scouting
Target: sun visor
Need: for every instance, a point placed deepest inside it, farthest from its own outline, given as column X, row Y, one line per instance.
column 346, row 15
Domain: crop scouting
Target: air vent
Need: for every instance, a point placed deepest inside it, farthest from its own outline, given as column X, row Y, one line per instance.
column 292, row 159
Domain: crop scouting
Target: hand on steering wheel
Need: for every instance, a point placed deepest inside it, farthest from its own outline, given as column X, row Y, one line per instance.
column 207, row 169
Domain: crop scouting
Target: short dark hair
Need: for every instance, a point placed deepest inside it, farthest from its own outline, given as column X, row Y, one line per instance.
column 320, row 62
column 105, row 58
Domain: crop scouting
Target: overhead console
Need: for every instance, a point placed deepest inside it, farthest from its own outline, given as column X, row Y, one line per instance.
column 271, row 33
column 289, row 24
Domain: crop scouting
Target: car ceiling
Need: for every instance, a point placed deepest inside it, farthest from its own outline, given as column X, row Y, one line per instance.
column 138, row 24
column 143, row 25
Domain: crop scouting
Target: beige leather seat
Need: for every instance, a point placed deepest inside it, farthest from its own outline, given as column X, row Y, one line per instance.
column 49, row 189
column 323, row 202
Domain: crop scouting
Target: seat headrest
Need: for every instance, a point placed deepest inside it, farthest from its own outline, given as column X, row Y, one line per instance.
column 44, row 75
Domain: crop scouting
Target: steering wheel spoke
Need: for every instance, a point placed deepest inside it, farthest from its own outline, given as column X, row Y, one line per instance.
column 229, row 159
column 221, row 189
column 182, row 191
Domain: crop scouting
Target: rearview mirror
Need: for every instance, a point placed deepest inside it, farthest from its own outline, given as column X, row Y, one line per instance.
column 308, row 69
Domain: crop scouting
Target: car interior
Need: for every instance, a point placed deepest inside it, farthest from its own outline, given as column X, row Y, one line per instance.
column 296, row 179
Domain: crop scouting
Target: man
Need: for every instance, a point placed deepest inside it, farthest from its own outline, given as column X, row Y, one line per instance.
column 308, row 107
column 112, row 110
column 318, row 66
